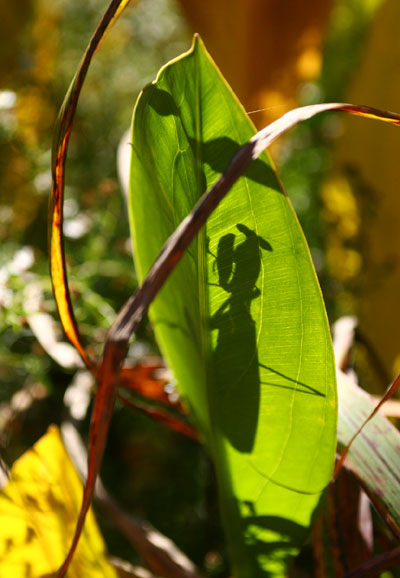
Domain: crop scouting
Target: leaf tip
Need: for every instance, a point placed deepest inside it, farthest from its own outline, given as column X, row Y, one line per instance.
column 197, row 42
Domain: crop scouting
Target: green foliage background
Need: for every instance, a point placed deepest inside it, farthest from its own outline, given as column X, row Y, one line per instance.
column 41, row 43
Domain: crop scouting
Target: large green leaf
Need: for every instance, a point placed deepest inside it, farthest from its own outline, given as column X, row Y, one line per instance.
column 241, row 319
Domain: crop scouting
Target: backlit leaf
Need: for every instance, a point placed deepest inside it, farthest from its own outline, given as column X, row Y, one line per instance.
column 241, row 320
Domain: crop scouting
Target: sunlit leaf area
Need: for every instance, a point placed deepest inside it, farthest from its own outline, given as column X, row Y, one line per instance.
column 158, row 505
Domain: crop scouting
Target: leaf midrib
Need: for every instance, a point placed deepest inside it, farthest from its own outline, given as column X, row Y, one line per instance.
column 201, row 245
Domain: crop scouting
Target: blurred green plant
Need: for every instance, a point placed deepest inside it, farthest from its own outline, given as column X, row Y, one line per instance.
column 51, row 38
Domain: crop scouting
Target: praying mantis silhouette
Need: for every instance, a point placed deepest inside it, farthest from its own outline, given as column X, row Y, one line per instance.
column 238, row 267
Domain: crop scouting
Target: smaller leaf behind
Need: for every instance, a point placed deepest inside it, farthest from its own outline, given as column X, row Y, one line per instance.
column 373, row 455
column 38, row 509
column 388, row 394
